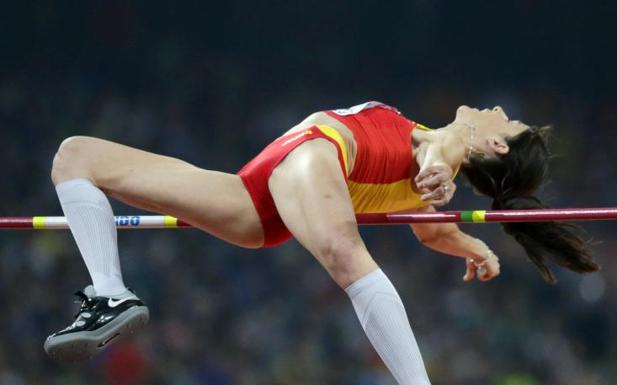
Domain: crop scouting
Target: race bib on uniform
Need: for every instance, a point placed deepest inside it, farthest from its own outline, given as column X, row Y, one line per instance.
column 361, row 107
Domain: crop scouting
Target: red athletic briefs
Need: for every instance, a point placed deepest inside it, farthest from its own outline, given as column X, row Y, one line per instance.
column 256, row 173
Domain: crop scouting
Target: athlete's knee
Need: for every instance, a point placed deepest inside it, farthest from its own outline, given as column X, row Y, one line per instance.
column 70, row 159
column 343, row 255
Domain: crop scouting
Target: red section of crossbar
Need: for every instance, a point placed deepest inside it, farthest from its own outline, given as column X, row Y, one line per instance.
column 15, row 222
column 541, row 215
column 547, row 215
column 408, row 218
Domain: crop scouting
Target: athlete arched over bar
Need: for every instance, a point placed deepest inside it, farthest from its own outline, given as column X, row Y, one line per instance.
column 309, row 183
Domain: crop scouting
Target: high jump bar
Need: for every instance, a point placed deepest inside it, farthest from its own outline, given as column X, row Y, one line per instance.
column 397, row 218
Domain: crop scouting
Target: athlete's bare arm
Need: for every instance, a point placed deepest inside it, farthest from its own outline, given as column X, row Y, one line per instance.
column 449, row 239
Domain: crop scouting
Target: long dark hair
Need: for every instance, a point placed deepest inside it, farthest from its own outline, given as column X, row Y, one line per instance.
column 512, row 180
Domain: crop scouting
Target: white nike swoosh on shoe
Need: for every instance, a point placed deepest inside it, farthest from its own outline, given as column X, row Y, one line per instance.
column 115, row 302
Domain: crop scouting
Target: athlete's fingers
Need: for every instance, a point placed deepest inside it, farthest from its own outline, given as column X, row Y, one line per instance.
column 440, row 202
column 483, row 274
column 436, row 194
column 423, row 174
column 433, row 180
column 471, row 270
column 434, row 169
column 449, row 189
column 489, row 269
column 433, row 176
column 441, row 195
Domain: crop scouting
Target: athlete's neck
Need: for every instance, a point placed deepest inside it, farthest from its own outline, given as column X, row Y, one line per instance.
column 448, row 145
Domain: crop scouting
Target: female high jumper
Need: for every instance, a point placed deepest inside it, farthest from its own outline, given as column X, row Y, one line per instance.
column 309, row 183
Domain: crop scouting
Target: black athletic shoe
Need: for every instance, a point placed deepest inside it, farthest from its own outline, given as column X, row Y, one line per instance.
column 99, row 321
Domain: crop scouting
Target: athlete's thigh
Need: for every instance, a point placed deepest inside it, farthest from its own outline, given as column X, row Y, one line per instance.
column 313, row 200
column 210, row 200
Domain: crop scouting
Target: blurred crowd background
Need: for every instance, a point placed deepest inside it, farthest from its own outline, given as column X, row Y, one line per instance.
column 213, row 83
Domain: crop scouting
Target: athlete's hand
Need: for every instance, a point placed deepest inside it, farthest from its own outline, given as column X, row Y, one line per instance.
column 484, row 268
column 435, row 182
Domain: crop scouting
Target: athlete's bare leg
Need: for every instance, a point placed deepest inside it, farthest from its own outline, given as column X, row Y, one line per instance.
column 213, row 201
column 84, row 170
column 312, row 198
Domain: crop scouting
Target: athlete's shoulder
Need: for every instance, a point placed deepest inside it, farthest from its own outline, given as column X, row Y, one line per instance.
column 364, row 106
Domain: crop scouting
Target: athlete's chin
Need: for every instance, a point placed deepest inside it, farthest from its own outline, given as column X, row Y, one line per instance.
column 466, row 109
column 463, row 112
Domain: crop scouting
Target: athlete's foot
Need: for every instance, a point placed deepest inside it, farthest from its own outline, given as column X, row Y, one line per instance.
column 99, row 321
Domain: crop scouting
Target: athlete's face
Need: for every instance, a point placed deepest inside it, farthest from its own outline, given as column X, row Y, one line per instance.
column 492, row 128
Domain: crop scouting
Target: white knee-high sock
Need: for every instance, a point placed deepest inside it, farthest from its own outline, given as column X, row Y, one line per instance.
column 91, row 220
column 385, row 322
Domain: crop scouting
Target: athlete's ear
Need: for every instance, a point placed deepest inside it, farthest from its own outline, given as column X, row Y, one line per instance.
column 498, row 145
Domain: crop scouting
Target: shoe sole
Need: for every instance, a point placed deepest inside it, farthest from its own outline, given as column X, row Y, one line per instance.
column 80, row 346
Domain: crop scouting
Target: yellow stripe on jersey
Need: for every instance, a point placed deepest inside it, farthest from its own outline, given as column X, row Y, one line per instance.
column 336, row 136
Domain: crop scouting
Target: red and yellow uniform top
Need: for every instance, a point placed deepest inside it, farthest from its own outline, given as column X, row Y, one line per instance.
column 381, row 179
